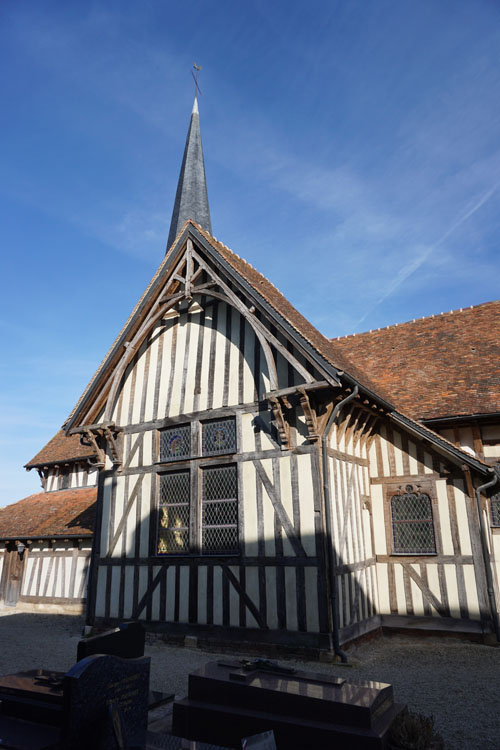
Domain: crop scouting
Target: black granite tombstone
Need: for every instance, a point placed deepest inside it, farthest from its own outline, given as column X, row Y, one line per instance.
column 228, row 701
column 105, row 703
column 126, row 641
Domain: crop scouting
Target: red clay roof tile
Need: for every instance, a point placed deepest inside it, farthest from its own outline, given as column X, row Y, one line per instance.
column 50, row 514
column 442, row 366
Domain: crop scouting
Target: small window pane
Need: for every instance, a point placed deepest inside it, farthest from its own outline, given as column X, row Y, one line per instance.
column 219, row 437
column 173, row 525
column 412, row 524
column 219, row 510
column 495, row 509
column 175, row 443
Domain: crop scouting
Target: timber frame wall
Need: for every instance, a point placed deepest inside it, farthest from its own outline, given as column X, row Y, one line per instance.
column 205, row 352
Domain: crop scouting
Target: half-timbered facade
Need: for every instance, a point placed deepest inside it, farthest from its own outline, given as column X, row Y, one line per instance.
column 254, row 482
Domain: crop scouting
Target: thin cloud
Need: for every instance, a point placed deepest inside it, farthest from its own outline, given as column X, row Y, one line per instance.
column 412, row 267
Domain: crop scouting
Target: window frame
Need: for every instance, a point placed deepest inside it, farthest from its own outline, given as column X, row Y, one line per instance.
column 419, row 487
column 195, row 465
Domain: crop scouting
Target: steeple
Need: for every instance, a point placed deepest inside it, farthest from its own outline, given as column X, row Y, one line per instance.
column 191, row 198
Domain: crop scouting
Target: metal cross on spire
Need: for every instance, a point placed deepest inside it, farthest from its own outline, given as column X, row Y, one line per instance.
column 195, row 76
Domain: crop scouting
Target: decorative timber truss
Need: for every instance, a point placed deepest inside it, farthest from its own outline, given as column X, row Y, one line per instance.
column 194, row 275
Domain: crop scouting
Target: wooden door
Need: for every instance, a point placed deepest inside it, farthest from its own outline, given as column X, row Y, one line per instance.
column 14, row 577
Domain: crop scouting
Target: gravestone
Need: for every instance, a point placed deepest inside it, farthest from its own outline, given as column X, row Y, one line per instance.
column 126, row 641
column 105, row 703
column 229, row 701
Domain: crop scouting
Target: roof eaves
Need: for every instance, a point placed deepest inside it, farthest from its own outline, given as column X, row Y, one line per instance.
column 440, row 442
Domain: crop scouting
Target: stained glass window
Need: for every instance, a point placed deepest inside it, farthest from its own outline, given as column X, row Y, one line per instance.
column 175, row 442
column 219, row 437
column 173, row 522
column 219, row 506
column 495, row 509
column 412, row 524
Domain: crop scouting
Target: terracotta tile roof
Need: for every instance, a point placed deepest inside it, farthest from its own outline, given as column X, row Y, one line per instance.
column 61, row 448
column 437, row 367
column 50, row 514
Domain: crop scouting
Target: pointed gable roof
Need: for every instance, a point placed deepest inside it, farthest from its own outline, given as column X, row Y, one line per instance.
column 191, row 198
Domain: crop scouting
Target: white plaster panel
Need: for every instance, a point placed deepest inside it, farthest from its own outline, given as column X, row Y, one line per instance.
column 115, row 591
column 400, row 589
column 450, row 573
column 234, row 599
column 312, row 615
column 412, row 451
column 250, row 508
column 252, row 589
column 217, row 595
column 271, row 599
column 306, row 504
column 416, row 594
column 128, row 599
column 462, row 520
column 471, row 592
column 145, row 515
column 155, row 603
column 202, row 594
column 291, row 598
column 444, row 517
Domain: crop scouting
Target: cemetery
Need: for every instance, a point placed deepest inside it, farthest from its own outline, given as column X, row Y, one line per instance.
column 56, row 691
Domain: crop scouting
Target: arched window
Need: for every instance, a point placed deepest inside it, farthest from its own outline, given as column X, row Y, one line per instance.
column 412, row 524
column 495, row 509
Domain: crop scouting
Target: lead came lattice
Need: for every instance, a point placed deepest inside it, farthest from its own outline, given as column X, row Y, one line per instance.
column 219, row 522
column 219, row 437
column 175, row 443
column 412, row 524
column 173, row 528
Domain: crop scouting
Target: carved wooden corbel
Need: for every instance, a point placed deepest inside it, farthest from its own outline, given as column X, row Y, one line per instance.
column 281, row 424
column 310, row 415
column 111, row 436
column 91, row 439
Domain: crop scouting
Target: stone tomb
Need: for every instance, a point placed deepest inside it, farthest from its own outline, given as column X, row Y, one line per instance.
column 228, row 701
column 126, row 641
column 101, row 703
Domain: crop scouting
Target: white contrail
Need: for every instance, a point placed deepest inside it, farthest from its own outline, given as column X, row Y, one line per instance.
column 417, row 262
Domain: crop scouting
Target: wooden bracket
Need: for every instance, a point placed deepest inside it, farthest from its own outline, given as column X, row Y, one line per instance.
column 107, row 432
column 111, row 436
column 310, row 415
column 89, row 438
column 281, row 424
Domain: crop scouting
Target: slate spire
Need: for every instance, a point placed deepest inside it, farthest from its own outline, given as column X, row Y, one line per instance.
column 191, row 198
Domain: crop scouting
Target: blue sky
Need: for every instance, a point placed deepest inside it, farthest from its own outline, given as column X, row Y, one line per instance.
column 352, row 153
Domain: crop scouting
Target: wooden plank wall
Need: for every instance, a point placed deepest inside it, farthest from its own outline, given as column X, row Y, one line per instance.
column 450, row 583
column 56, row 572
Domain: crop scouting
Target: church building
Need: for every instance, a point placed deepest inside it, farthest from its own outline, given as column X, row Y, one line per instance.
column 230, row 473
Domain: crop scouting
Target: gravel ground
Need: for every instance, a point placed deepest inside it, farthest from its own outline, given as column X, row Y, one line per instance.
column 455, row 681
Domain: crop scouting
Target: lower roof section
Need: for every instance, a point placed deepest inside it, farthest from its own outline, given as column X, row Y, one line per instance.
column 65, row 513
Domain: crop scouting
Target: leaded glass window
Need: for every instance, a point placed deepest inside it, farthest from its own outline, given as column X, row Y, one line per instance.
column 495, row 509
column 412, row 524
column 219, row 510
column 175, row 442
column 173, row 524
column 219, row 437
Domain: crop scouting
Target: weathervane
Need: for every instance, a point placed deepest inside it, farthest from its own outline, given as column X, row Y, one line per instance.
column 196, row 87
